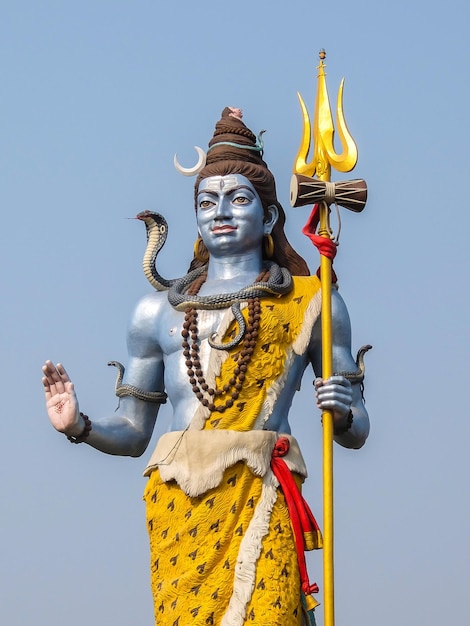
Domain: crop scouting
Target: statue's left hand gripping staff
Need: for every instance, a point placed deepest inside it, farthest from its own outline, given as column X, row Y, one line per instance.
column 305, row 189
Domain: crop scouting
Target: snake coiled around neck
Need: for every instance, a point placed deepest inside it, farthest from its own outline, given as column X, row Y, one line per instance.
column 278, row 284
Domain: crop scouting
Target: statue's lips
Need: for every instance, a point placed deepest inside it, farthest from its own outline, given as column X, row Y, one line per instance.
column 222, row 230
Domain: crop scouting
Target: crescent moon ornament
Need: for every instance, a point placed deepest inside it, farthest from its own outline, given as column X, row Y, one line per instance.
column 191, row 171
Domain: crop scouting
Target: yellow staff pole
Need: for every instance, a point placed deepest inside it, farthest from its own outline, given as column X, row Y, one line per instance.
column 324, row 157
column 327, row 421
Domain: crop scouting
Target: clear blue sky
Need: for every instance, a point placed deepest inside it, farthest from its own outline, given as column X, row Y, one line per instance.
column 95, row 99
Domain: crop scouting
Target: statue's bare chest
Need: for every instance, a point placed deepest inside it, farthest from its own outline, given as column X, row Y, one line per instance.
column 170, row 326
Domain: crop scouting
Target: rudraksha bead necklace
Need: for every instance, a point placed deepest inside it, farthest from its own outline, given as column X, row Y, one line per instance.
column 191, row 353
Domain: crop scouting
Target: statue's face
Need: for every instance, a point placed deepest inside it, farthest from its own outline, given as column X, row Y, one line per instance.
column 230, row 215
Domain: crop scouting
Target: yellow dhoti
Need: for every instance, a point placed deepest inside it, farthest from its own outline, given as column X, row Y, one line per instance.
column 198, row 549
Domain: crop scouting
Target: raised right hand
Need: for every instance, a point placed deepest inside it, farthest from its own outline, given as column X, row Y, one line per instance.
column 61, row 401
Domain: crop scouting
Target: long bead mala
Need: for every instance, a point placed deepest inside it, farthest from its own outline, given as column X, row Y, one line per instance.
column 191, row 353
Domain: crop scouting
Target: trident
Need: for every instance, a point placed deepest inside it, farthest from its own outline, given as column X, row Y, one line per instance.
column 351, row 194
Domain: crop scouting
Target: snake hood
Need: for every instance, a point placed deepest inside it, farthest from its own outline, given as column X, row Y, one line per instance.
column 156, row 228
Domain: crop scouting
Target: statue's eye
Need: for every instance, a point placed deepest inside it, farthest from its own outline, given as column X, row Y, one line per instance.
column 241, row 200
column 206, row 204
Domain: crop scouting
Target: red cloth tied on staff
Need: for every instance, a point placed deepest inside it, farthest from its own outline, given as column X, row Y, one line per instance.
column 326, row 246
column 306, row 530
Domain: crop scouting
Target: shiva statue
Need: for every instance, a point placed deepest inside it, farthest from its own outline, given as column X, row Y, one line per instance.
column 227, row 344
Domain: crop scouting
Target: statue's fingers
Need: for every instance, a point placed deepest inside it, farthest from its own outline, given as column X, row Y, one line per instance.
column 50, row 371
column 338, row 407
column 335, row 405
column 339, row 380
column 63, row 373
column 47, row 369
column 55, row 380
column 70, row 388
column 333, row 397
column 334, row 390
column 48, row 379
column 47, row 388
column 49, row 365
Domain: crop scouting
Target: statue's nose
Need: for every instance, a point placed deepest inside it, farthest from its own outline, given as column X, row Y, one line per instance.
column 222, row 210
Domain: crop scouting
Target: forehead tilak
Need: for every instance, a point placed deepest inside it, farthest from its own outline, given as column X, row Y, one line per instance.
column 224, row 183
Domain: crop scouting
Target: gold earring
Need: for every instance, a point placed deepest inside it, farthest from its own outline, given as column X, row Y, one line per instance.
column 200, row 251
column 268, row 244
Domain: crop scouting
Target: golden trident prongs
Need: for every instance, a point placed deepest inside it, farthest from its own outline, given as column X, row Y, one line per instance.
column 324, row 155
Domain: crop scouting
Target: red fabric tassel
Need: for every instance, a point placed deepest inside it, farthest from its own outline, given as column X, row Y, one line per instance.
column 326, row 246
column 300, row 514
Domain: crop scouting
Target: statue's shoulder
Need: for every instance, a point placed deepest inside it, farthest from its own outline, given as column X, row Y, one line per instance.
column 148, row 311
column 154, row 298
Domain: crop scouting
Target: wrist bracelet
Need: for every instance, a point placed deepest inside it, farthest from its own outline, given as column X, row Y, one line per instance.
column 86, row 431
column 340, row 430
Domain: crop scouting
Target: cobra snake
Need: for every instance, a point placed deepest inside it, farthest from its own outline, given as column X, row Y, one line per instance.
column 156, row 228
column 357, row 376
column 159, row 397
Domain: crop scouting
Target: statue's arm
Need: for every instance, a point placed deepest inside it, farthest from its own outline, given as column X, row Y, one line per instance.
column 338, row 394
column 128, row 431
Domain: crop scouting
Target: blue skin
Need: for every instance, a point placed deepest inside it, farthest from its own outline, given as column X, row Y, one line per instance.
column 232, row 224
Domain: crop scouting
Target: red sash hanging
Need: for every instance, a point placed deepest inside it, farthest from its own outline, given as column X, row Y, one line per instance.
column 306, row 530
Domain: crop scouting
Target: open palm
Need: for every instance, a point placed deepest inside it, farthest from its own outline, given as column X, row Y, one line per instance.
column 61, row 401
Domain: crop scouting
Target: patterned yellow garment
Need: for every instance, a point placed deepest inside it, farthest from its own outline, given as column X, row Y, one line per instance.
column 285, row 328
column 227, row 557
column 194, row 552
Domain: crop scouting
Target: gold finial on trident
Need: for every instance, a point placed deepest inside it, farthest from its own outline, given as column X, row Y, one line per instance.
column 324, row 155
